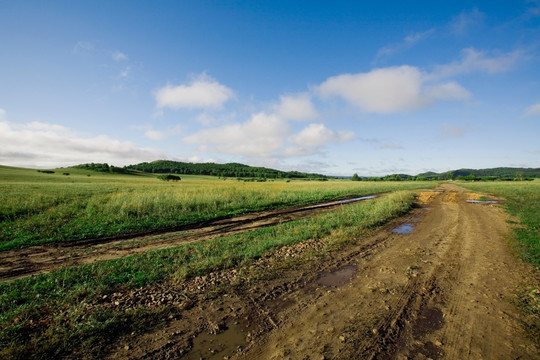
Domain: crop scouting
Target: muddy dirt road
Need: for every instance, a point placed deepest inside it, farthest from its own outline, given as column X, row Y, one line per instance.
column 41, row 259
column 439, row 288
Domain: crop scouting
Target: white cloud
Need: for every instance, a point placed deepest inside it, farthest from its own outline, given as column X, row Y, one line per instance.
column 261, row 136
column 473, row 60
column 389, row 90
column 119, row 56
column 316, row 135
column 39, row 144
column 202, row 92
column 530, row 111
column 464, row 21
column 447, row 91
column 296, row 107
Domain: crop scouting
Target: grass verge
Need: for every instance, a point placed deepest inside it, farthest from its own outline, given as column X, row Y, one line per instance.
column 47, row 316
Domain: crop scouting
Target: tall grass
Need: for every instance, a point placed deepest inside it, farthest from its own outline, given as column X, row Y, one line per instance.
column 38, row 208
column 45, row 316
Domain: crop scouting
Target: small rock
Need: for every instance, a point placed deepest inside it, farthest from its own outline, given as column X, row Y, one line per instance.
column 126, row 347
column 342, row 338
column 438, row 343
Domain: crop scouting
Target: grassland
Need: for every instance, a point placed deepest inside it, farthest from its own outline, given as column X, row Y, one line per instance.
column 38, row 208
column 48, row 316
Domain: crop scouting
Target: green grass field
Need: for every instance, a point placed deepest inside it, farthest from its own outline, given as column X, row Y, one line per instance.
column 38, row 208
column 46, row 315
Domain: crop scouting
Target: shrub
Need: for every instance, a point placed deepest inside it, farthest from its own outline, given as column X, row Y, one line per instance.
column 169, row 177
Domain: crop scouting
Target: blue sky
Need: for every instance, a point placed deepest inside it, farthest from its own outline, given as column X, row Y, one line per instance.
column 334, row 87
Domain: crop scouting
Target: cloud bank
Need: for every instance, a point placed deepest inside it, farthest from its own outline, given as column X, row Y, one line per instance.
column 44, row 145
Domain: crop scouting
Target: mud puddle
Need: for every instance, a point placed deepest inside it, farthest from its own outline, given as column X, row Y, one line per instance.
column 222, row 345
column 429, row 320
column 347, row 201
column 338, row 277
column 483, row 201
column 406, row 228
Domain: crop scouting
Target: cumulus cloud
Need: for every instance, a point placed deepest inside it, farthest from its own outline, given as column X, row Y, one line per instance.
column 530, row 111
column 296, row 107
column 39, row 144
column 389, row 90
column 316, row 135
column 474, row 60
column 461, row 24
column 203, row 92
column 261, row 136
column 119, row 56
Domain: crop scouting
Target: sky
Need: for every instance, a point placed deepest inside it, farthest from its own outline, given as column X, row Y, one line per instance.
column 332, row 87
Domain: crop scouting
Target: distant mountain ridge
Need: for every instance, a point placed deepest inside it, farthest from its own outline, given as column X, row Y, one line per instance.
column 499, row 172
column 223, row 170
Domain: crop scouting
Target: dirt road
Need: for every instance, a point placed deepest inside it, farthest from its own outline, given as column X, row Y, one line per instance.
column 439, row 287
column 41, row 259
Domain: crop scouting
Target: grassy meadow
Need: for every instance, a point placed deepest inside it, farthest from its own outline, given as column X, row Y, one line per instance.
column 38, row 208
column 47, row 316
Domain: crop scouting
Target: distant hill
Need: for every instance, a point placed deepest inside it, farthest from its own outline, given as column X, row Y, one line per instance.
column 224, row 170
column 500, row 172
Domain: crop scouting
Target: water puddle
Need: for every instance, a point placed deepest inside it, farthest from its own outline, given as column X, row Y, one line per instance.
column 404, row 229
column 218, row 346
column 346, row 201
column 483, row 201
column 338, row 277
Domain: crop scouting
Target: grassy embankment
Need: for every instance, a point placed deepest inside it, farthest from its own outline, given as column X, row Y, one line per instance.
column 522, row 200
column 38, row 208
column 47, row 316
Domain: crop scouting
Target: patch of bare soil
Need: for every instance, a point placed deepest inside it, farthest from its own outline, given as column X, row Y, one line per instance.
column 442, row 291
column 41, row 259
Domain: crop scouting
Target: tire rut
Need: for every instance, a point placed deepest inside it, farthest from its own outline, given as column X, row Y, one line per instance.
column 22, row 263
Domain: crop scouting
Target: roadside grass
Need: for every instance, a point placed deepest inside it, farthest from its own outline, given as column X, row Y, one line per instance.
column 47, row 316
column 38, row 208
column 522, row 200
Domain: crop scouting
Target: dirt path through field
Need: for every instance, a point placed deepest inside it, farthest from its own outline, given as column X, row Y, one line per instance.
column 41, row 259
column 441, row 291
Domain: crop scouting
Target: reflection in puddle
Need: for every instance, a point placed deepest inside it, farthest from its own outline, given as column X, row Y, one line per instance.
column 338, row 277
column 483, row 201
column 404, row 229
column 358, row 199
column 218, row 346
